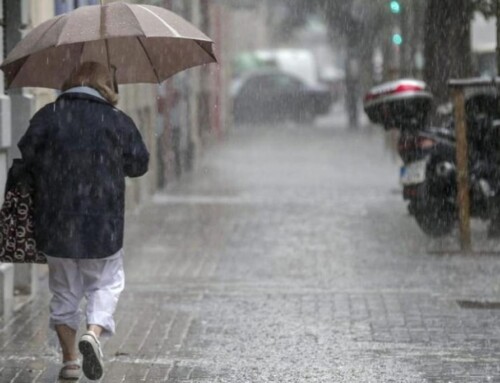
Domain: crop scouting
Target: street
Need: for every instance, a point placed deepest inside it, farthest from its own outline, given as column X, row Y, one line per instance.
column 288, row 255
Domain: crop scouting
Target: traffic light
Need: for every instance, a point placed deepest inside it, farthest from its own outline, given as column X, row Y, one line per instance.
column 395, row 6
column 397, row 39
column 396, row 9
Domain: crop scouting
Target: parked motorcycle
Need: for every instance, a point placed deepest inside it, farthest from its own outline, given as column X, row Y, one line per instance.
column 429, row 172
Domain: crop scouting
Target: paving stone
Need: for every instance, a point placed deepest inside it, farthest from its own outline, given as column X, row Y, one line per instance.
column 286, row 257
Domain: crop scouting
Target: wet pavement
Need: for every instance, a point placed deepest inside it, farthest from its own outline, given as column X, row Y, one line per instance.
column 287, row 256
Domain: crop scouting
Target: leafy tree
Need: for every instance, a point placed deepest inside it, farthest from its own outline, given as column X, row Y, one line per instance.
column 353, row 23
column 447, row 43
column 486, row 7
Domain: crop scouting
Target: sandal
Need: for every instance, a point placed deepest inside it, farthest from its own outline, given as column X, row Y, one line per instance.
column 71, row 370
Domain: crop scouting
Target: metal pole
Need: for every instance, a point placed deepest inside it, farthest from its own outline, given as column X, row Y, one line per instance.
column 462, row 170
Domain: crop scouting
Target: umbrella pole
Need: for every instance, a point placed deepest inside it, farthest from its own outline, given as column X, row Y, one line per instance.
column 105, row 40
column 107, row 54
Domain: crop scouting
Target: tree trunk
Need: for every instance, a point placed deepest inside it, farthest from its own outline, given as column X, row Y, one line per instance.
column 447, row 44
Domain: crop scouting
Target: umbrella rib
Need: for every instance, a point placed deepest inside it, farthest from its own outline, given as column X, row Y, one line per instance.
column 44, row 33
column 9, row 83
column 169, row 27
column 10, row 79
column 49, row 28
column 149, row 59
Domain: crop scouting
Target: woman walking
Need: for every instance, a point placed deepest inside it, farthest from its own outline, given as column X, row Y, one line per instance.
column 79, row 149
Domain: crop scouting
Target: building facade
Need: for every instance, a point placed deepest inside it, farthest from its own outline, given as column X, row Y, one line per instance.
column 176, row 118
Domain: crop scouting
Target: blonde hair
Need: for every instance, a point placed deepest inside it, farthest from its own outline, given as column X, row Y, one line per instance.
column 94, row 75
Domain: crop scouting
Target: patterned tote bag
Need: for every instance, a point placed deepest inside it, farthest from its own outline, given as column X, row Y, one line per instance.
column 17, row 232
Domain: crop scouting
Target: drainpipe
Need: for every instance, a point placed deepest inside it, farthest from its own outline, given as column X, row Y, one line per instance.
column 498, row 37
column 218, row 38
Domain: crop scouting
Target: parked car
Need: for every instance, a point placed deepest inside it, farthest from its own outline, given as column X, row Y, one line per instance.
column 300, row 63
column 273, row 95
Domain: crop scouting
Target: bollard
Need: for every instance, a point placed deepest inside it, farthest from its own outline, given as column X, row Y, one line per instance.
column 458, row 88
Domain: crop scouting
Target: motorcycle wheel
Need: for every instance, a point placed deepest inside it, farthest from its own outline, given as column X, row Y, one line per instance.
column 437, row 219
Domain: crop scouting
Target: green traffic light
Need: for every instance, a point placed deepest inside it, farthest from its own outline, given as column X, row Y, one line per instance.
column 395, row 6
column 397, row 39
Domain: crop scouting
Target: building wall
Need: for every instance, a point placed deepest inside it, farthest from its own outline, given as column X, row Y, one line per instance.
column 16, row 109
column 204, row 97
column 250, row 28
column 204, row 91
column 236, row 26
column 222, row 33
column 40, row 11
column 6, row 270
column 5, row 119
column 194, row 94
column 139, row 102
column 190, row 107
column 18, row 106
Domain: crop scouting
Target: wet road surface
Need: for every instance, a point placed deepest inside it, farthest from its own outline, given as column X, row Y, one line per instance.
column 287, row 256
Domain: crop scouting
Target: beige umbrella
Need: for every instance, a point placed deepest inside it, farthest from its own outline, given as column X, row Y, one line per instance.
column 146, row 44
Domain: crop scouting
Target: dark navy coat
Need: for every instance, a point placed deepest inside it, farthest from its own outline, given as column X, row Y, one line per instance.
column 80, row 149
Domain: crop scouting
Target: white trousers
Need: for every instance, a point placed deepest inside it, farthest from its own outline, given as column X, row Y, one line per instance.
column 100, row 281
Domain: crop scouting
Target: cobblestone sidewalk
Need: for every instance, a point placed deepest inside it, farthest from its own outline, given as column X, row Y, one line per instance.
column 288, row 256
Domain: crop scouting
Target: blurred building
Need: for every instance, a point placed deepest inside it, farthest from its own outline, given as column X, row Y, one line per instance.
column 484, row 44
column 252, row 25
column 176, row 118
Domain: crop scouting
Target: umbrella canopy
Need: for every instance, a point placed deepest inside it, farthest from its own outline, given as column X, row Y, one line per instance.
column 146, row 44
